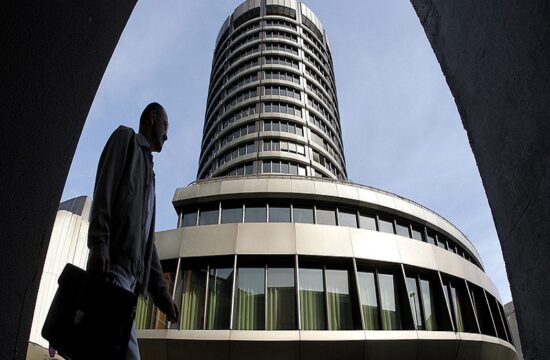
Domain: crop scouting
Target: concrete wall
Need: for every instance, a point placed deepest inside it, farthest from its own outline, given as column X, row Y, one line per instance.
column 54, row 54
column 494, row 55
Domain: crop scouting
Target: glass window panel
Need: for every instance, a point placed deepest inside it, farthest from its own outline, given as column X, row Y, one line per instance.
column 192, row 303
column 190, row 219
column 339, row 300
column 431, row 238
column 267, row 126
column 266, row 167
column 284, row 127
column 418, row 233
column 275, row 126
column 402, row 229
column 284, row 146
column 291, row 128
column 457, row 310
column 299, row 131
column 414, row 300
column 369, row 303
column 279, row 213
column 303, row 215
column 441, row 242
column 326, row 216
column 250, row 148
column 428, row 305
column 385, row 225
column 250, row 302
column 300, row 149
column 291, row 147
column 293, row 169
column 367, row 222
column 347, row 218
column 284, row 166
column 281, row 299
column 220, row 287
column 276, row 167
column 232, row 215
column 208, row 217
column 391, row 319
column 312, row 299
column 255, row 214
column 248, row 169
column 240, row 170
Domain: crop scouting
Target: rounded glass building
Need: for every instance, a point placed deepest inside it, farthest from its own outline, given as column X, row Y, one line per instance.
column 277, row 256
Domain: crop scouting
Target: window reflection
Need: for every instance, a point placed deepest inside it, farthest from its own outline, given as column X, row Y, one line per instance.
column 326, row 216
column 428, row 305
column 414, row 300
column 339, row 300
column 391, row 319
column 385, row 225
column 367, row 293
column 279, row 213
column 281, row 299
column 192, row 303
column 220, row 284
column 208, row 216
column 303, row 215
column 250, row 311
column 232, row 214
column 367, row 222
column 312, row 302
column 255, row 214
column 190, row 219
column 347, row 218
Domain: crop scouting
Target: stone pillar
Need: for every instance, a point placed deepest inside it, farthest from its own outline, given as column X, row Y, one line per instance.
column 54, row 54
column 495, row 57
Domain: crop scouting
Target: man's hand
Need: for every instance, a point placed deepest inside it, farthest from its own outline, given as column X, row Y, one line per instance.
column 98, row 264
column 170, row 308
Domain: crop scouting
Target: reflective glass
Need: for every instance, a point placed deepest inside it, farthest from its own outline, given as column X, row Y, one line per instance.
column 208, row 217
column 266, row 167
column 367, row 222
column 281, row 299
column 402, row 229
column 339, row 300
column 414, row 300
column 431, row 238
column 326, row 216
column 391, row 319
column 192, row 302
column 303, row 215
column 441, row 242
column 220, row 286
column 232, row 215
column 312, row 299
column 369, row 303
column 279, row 213
column 428, row 305
column 250, row 304
column 276, row 167
column 386, row 225
column 457, row 310
column 347, row 218
column 255, row 214
column 417, row 233
column 190, row 219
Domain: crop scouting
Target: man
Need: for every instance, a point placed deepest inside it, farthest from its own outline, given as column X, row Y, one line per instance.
column 122, row 220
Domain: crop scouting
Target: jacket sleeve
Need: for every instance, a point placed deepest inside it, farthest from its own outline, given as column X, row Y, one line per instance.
column 156, row 287
column 109, row 175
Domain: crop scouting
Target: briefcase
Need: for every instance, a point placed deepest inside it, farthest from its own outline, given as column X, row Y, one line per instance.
column 90, row 317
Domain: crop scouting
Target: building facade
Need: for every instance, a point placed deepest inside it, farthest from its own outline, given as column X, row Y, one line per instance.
column 68, row 244
column 277, row 256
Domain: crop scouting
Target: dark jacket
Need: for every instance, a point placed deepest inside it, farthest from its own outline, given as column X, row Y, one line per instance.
column 119, row 211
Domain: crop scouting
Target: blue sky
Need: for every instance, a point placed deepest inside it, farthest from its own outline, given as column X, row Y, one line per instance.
column 401, row 129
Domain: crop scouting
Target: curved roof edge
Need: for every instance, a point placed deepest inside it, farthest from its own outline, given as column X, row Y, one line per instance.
column 323, row 188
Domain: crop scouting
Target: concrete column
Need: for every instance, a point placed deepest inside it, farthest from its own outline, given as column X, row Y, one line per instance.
column 54, row 54
column 494, row 55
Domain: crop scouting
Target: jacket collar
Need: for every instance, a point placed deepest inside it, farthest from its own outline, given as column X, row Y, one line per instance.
column 142, row 141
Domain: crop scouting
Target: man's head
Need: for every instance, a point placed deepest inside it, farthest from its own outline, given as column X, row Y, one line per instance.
column 153, row 124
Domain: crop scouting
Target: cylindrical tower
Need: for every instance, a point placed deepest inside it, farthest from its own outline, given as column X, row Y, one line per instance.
column 272, row 104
